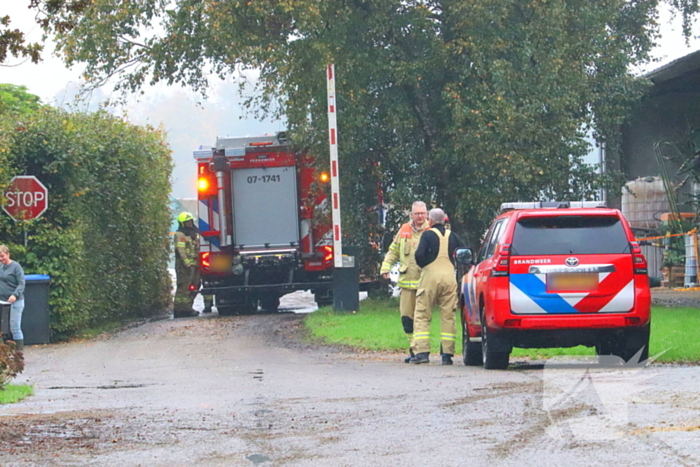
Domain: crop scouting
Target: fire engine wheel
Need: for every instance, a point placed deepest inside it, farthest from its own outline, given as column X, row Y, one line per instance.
column 492, row 359
column 471, row 351
column 323, row 298
column 270, row 304
column 233, row 308
column 227, row 310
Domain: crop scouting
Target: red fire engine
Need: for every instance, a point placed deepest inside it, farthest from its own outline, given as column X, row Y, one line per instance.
column 264, row 222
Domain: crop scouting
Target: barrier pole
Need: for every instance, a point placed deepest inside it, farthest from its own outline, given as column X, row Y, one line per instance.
column 346, row 280
column 335, row 184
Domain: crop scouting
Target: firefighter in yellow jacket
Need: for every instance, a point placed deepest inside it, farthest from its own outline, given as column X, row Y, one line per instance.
column 402, row 251
column 186, row 266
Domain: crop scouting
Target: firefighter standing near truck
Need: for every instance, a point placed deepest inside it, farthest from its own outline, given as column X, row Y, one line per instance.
column 437, row 286
column 186, row 266
column 402, row 251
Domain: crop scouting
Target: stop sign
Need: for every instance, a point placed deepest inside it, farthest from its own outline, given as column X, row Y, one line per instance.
column 25, row 198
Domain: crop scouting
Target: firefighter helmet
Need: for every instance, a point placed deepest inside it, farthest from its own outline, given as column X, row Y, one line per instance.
column 184, row 217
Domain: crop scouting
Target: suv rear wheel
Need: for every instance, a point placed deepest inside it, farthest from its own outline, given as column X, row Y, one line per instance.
column 637, row 339
column 627, row 346
column 493, row 359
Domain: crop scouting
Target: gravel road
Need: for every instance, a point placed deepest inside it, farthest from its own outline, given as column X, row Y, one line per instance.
column 673, row 297
column 248, row 390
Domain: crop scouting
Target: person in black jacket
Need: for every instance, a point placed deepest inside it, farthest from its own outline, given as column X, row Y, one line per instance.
column 437, row 286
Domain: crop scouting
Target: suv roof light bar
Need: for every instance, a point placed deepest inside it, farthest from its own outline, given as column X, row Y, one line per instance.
column 552, row 205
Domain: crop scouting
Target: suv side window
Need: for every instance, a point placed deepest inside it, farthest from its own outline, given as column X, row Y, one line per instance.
column 495, row 238
column 485, row 244
column 492, row 238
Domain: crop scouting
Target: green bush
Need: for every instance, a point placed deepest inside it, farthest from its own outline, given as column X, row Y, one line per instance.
column 11, row 363
column 104, row 238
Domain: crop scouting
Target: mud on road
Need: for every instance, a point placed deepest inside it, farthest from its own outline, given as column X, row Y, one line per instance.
column 247, row 390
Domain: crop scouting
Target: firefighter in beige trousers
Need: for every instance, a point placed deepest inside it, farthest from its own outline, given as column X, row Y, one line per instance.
column 437, row 286
column 402, row 250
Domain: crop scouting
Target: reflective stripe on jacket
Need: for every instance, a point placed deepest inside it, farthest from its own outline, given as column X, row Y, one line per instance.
column 186, row 249
column 402, row 251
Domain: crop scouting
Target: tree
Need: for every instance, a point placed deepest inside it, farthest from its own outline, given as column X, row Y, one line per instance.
column 16, row 99
column 13, row 42
column 464, row 104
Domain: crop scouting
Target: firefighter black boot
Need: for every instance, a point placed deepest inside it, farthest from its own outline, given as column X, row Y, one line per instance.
column 446, row 359
column 408, row 359
column 420, row 358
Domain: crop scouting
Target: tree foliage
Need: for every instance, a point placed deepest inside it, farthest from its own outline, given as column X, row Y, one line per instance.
column 11, row 363
column 464, row 104
column 16, row 99
column 104, row 237
column 13, row 42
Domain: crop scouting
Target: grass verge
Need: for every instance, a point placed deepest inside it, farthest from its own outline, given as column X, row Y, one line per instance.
column 15, row 392
column 378, row 327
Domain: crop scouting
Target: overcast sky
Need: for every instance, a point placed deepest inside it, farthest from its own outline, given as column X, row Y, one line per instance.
column 187, row 124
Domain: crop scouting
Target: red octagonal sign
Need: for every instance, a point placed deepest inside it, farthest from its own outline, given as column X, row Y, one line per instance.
column 26, row 198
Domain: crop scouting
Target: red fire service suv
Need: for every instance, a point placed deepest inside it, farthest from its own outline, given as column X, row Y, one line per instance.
column 554, row 274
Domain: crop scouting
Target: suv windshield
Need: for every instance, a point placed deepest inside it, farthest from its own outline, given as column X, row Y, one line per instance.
column 566, row 235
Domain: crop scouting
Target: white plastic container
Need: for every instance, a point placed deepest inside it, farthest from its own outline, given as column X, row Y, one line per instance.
column 643, row 200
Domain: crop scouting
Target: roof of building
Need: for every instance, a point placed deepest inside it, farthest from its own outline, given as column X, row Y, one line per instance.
column 681, row 67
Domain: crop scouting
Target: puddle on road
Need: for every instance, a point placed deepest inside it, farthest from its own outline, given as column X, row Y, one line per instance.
column 258, row 458
column 114, row 386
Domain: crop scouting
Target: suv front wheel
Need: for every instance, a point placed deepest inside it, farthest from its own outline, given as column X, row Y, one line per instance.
column 471, row 351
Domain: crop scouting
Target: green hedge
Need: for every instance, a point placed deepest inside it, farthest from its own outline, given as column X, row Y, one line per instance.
column 104, row 239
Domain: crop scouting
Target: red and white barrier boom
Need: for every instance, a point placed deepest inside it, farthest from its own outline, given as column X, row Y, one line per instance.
column 335, row 185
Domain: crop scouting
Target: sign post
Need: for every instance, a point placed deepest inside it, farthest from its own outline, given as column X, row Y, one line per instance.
column 26, row 198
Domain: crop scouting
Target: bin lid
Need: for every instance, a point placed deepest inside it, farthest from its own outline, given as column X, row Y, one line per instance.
column 37, row 277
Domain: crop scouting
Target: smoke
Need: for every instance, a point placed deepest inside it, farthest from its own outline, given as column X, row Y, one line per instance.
column 189, row 124
column 188, row 120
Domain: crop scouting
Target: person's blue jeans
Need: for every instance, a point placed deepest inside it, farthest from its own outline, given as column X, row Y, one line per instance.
column 16, row 310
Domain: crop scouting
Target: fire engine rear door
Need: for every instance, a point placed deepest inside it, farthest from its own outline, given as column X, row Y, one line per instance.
column 265, row 211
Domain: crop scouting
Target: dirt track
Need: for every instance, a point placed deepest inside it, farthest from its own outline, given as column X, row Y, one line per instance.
column 246, row 390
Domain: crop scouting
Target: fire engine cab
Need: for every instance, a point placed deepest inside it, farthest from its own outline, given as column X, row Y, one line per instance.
column 264, row 222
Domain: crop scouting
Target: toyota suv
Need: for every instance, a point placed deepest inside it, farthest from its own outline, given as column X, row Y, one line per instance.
column 558, row 274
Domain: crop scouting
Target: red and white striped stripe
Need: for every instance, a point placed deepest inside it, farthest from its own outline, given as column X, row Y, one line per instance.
column 335, row 185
